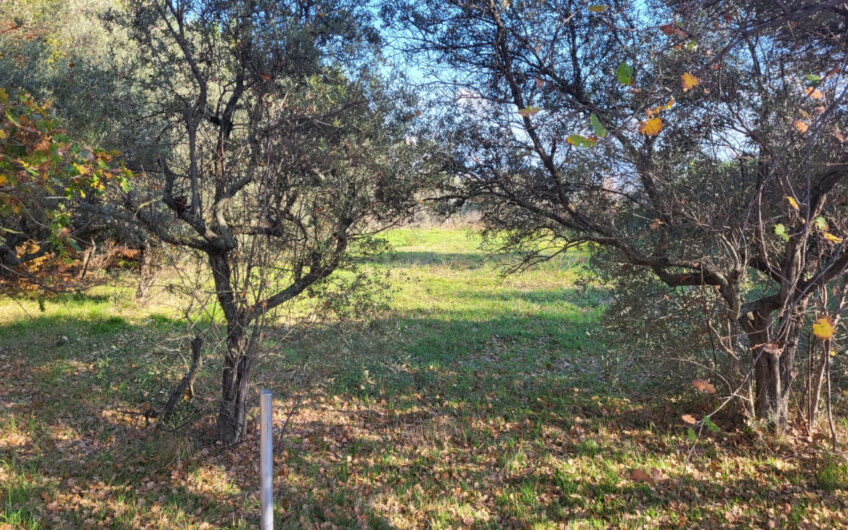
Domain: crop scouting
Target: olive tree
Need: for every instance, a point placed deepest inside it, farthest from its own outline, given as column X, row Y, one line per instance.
column 280, row 152
column 702, row 142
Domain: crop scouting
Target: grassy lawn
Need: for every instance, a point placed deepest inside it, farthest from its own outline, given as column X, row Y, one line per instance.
column 476, row 400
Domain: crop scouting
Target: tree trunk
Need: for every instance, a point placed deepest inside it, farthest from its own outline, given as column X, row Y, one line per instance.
column 773, row 371
column 233, row 411
column 772, row 395
column 238, row 357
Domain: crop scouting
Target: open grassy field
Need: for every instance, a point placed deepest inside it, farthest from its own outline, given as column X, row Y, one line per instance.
column 474, row 401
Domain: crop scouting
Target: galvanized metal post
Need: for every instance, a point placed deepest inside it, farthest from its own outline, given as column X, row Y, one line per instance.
column 266, row 460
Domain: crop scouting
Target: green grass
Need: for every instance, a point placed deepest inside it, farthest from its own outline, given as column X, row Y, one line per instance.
column 475, row 400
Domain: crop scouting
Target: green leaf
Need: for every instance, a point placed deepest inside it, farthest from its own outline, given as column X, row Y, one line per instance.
column 624, row 74
column 780, row 231
column 708, row 423
column 528, row 111
column 600, row 131
column 580, row 141
column 813, row 79
column 690, row 433
column 821, row 223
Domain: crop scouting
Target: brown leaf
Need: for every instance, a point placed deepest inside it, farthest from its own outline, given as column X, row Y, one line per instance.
column 814, row 93
column 704, row 386
column 637, row 475
column 672, row 29
column 688, row 418
column 800, row 126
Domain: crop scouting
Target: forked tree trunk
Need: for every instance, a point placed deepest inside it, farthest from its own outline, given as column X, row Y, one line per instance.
column 233, row 411
column 773, row 370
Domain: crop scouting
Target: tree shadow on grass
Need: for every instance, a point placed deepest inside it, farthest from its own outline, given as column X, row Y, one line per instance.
column 497, row 420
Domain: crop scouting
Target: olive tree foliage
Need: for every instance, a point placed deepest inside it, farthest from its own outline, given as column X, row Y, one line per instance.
column 60, row 51
column 703, row 143
column 44, row 176
column 62, row 54
column 280, row 153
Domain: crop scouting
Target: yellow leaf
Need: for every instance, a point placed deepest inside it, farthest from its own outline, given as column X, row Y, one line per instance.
column 800, row 126
column 832, row 238
column 823, row 328
column 3, row 134
column 792, row 202
column 688, row 81
column 651, row 127
column 598, row 8
column 3, row 180
column 4, row 96
column 82, row 170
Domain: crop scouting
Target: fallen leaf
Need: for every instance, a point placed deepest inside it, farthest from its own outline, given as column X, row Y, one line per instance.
column 813, row 92
column 800, row 126
column 704, row 386
column 688, row 418
column 637, row 475
column 792, row 202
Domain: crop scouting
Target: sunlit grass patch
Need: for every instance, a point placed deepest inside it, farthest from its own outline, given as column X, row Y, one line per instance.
column 475, row 400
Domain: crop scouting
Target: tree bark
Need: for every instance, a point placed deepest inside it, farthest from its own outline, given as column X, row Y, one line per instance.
column 234, row 387
column 771, row 395
column 237, row 359
column 773, row 371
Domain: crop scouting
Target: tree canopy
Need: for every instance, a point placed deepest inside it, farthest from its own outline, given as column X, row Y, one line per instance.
column 703, row 142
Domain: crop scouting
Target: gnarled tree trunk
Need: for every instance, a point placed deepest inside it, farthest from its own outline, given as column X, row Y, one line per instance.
column 238, row 358
column 234, row 386
column 773, row 370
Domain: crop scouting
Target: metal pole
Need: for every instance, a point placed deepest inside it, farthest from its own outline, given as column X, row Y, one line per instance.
column 266, row 460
